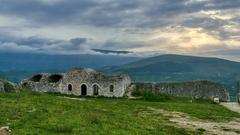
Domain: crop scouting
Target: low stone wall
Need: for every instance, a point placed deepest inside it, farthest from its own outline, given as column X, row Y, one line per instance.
column 194, row 89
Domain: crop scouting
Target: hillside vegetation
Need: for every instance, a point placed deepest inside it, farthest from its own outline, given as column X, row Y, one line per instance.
column 39, row 113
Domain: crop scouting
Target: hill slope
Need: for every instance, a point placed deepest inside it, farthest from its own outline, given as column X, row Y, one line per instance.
column 179, row 63
column 182, row 68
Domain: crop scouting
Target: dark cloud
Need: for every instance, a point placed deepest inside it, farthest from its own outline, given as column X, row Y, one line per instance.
column 42, row 12
column 38, row 44
column 116, row 45
column 78, row 41
column 138, row 13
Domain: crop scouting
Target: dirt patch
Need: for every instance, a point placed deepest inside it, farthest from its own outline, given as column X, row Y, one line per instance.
column 80, row 99
column 183, row 120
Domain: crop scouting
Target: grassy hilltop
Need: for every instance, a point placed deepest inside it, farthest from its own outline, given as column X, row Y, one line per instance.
column 41, row 113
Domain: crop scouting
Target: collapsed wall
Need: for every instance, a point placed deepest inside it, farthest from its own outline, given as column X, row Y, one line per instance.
column 194, row 89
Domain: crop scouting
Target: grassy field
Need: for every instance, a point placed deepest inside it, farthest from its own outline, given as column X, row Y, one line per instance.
column 39, row 113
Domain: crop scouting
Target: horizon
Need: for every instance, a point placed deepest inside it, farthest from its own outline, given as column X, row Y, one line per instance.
column 208, row 28
column 133, row 55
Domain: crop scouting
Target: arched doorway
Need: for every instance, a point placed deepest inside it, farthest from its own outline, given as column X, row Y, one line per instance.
column 95, row 89
column 84, row 90
column 69, row 87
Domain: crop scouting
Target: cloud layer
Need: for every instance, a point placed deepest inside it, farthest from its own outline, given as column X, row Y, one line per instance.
column 164, row 26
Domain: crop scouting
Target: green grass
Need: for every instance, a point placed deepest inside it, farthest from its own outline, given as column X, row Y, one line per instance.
column 41, row 113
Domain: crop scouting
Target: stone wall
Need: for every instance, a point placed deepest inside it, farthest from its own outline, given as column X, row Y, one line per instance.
column 194, row 89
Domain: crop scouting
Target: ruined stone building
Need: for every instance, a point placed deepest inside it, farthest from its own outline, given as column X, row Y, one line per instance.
column 80, row 82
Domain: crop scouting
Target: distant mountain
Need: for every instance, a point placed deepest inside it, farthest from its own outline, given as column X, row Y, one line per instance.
column 182, row 68
column 179, row 63
column 15, row 66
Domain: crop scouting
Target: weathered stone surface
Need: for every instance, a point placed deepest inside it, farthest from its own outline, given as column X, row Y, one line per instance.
column 194, row 89
column 7, row 86
column 79, row 82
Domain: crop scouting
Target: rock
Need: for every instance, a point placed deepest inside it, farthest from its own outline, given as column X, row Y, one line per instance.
column 5, row 131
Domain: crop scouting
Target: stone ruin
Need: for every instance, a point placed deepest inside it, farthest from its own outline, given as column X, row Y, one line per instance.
column 195, row 89
column 88, row 82
column 79, row 82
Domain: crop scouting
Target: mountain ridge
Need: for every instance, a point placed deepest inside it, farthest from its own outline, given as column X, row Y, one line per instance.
column 175, row 68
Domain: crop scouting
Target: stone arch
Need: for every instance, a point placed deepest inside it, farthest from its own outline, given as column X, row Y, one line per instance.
column 84, row 89
column 95, row 88
column 36, row 78
column 70, row 87
column 54, row 78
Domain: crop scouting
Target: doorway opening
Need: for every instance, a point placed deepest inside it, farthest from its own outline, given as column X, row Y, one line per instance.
column 84, row 90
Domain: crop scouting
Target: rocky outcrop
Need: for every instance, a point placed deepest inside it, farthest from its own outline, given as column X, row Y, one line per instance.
column 194, row 89
column 7, row 86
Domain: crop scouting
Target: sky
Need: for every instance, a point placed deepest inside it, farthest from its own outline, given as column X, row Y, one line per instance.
column 145, row 27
